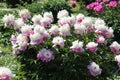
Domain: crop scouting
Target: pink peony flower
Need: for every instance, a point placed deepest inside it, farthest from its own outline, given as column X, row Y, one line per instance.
column 4, row 77
column 115, row 47
column 77, row 46
column 112, row 4
column 45, row 55
column 100, row 39
column 92, row 46
column 117, row 58
column 106, row 0
column 94, row 69
column 119, row 2
column 92, row 5
column 58, row 41
column 98, row 8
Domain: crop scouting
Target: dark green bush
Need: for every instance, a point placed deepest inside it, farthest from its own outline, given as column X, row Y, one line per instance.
column 12, row 3
column 49, row 5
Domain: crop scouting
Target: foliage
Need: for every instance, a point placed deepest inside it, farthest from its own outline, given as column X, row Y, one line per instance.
column 49, row 5
column 13, row 4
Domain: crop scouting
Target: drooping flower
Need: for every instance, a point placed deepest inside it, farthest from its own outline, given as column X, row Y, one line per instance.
column 77, row 46
column 92, row 46
column 100, row 39
column 62, row 13
column 6, row 73
column 117, row 58
column 36, row 19
column 115, row 47
column 64, row 30
column 46, row 55
column 9, row 20
column 94, row 69
column 24, row 14
column 58, row 41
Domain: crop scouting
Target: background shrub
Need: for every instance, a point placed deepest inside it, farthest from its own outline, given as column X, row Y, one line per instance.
column 49, row 5
column 12, row 3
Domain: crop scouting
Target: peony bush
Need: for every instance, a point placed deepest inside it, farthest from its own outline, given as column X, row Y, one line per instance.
column 76, row 47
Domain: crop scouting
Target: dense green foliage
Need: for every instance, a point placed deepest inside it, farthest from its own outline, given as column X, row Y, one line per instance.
column 53, row 6
column 15, row 3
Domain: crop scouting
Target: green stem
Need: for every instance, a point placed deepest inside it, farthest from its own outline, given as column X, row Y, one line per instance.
column 115, row 72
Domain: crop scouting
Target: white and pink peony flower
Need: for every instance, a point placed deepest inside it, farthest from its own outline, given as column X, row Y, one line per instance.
column 26, row 29
column 62, row 13
column 92, row 46
column 6, row 73
column 79, row 19
column 58, row 41
column 54, row 30
column 46, row 21
column 100, row 39
column 87, row 21
column 9, row 20
column 48, row 15
column 94, row 69
column 77, row 46
column 36, row 38
column 46, row 55
column 18, row 24
column 80, row 29
column 24, row 14
column 117, row 58
column 64, row 30
column 115, row 47
column 36, row 19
